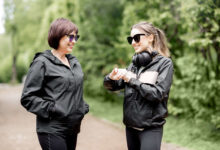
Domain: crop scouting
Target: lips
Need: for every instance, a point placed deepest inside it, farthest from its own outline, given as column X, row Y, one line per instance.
column 70, row 46
column 136, row 48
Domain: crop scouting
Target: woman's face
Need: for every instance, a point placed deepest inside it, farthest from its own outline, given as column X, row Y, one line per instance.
column 67, row 42
column 145, row 42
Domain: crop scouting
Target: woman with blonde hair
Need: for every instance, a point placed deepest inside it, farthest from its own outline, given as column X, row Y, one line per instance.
column 147, row 82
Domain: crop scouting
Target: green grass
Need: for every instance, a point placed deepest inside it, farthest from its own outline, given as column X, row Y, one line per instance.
column 188, row 133
column 105, row 110
column 180, row 131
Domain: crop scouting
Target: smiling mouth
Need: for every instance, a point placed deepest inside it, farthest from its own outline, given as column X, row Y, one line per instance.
column 71, row 46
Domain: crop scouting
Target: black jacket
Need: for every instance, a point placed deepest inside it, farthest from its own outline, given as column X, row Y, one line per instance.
column 54, row 92
column 145, row 104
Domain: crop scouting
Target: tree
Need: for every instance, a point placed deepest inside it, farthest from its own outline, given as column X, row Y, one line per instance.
column 22, row 23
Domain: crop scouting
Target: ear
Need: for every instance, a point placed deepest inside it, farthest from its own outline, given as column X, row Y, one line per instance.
column 151, row 38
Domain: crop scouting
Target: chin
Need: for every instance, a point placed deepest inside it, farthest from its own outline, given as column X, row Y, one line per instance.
column 139, row 50
column 69, row 50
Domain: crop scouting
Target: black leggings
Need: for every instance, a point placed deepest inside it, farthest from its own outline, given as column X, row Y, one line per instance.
column 57, row 142
column 148, row 139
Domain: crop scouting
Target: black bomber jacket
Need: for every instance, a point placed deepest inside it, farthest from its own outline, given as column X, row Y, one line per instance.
column 145, row 103
column 54, row 92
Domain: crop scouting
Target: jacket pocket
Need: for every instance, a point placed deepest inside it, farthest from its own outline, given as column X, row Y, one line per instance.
column 76, row 116
column 130, row 113
column 145, row 110
column 58, row 113
column 67, row 117
column 137, row 114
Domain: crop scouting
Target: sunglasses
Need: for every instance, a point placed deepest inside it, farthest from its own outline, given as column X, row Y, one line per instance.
column 71, row 37
column 136, row 38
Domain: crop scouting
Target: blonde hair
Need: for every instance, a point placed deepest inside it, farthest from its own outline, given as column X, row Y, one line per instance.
column 159, row 43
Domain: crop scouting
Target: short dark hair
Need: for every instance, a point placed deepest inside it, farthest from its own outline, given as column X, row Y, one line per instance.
column 59, row 28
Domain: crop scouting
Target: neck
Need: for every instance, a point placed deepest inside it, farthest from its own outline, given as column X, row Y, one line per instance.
column 150, row 49
column 58, row 53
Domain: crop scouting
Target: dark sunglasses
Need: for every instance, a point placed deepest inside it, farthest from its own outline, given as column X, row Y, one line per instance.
column 136, row 38
column 71, row 37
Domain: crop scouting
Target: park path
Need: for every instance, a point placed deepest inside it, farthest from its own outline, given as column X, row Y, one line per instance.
column 17, row 128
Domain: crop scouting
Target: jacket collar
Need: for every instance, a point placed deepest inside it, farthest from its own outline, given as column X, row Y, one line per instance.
column 48, row 54
column 155, row 60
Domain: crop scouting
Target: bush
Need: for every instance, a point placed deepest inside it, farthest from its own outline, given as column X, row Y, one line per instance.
column 195, row 92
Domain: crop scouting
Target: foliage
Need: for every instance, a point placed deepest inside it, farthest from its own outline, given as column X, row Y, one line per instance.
column 196, row 82
column 98, row 26
column 193, row 95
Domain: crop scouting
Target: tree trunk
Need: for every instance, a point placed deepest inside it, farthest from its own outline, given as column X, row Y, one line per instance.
column 216, row 45
column 14, row 70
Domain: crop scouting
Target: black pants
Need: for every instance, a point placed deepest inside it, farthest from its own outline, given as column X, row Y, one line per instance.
column 57, row 142
column 148, row 139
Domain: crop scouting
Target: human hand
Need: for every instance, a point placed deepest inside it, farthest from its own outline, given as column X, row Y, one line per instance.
column 126, row 77
column 117, row 74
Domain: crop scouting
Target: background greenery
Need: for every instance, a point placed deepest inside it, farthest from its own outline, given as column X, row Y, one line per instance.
column 192, row 28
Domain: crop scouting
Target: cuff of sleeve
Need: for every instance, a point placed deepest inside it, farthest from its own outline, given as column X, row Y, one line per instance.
column 134, row 83
column 86, row 108
column 108, row 78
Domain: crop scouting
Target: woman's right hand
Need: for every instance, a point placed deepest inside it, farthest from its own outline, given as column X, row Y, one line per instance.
column 115, row 75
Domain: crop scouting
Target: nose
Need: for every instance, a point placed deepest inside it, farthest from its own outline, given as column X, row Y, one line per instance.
column 133, row 43
column 73, row 41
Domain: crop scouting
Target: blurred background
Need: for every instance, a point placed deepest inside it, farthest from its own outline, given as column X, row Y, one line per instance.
column 192, row 28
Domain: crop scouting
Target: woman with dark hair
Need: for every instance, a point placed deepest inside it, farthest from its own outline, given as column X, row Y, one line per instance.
column 53, row 89
column 147, row 82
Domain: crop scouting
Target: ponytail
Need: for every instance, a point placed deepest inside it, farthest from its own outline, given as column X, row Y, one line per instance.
column 160, row 43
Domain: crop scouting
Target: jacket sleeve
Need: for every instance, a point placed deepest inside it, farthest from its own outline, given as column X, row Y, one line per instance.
column 31, row 95
column 113, row 85
column 156, row 92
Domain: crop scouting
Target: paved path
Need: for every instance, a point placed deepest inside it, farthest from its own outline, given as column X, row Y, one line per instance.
column 17, row 128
